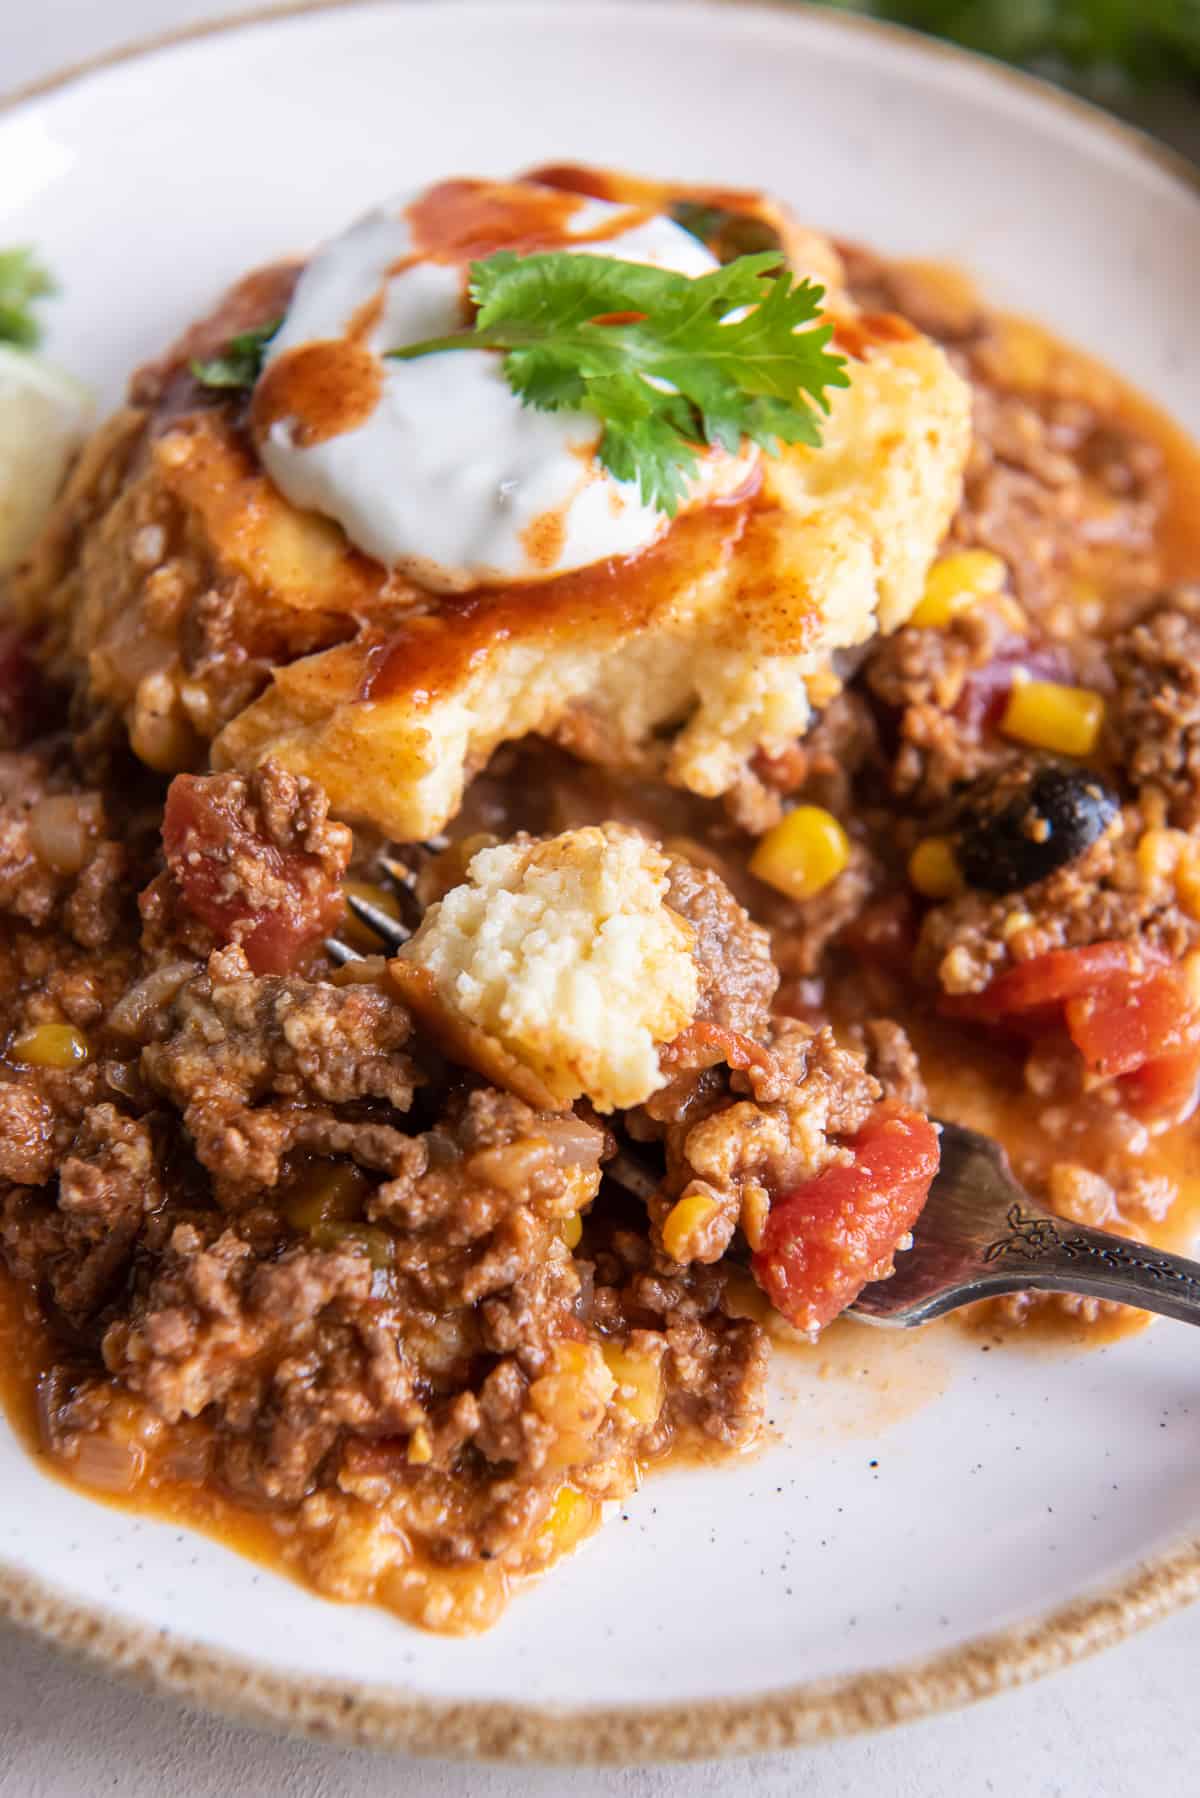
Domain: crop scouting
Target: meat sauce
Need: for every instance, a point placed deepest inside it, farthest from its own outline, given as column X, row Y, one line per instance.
column 865, row 951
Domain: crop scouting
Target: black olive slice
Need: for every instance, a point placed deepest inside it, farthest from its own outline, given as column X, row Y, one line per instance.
column 1018, row 826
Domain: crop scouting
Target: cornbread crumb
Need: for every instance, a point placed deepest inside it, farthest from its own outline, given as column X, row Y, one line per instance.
column 565, row 955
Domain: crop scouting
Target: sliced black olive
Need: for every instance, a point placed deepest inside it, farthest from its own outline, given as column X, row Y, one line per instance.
column 1018, row 826
column 727, row 234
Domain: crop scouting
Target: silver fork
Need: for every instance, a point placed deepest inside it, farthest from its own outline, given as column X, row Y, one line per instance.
column 393, row 933
column 980, row 1234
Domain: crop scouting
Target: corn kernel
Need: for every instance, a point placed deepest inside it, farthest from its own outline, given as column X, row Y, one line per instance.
column 57, row 1046
column 804, row 852
column 420, row 1448
column 571, row 1229
column 568, row 1520
column 1050, row 716
column 573, row 1358
column 639, row 1382
column 358, row 934
column 1170, row 860
column 685, row 1222
column 756, row 1206
column 933, row 870
column 955, row 584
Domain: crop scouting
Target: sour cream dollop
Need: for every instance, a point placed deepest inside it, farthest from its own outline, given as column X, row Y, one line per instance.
column 435, row 467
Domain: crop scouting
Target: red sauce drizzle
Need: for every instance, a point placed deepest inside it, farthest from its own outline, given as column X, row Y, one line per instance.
column 860, row 335
column 433, row 651
column 326, row 388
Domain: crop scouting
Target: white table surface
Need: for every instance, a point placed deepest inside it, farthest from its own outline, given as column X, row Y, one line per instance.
column 1122, row 1726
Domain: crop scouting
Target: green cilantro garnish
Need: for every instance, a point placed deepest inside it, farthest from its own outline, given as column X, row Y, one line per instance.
column 666, row 363
column 240, row 362
column 727, row 234
column 22, row 281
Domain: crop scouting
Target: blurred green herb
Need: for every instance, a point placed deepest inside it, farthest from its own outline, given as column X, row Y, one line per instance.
column 240, row 362
column 1141, row 41
column 22, row 282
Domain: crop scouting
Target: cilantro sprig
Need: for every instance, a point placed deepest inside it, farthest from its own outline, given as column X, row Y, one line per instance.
column 668, row 364
column 23, row 281
column 239, row 364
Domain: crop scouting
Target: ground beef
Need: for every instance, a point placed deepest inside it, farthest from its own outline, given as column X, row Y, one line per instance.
column 1056, row 487
column 108, row 1183
column 893, row 1062
column 291, row 1350
column 737, row 975
column 57, row 861
column 1155, row 714
column 937, row 686
column 716, row 1363
column 260, row 1067
column 803, row 929
column 1066, row 492
column 823, row 765
column 735, row 1141
column 1101, row 896
column 424, row 1334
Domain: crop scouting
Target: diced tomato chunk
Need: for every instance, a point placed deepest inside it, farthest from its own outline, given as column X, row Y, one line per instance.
column 704, row 1044
column 1132, row 1014
column 823, row 1242
column 277, row 903
column 1128, row 1021
column 1166, row 1088
column 1047, row 980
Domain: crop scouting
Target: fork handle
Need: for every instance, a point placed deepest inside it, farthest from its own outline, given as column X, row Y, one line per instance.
column 1054, row 1255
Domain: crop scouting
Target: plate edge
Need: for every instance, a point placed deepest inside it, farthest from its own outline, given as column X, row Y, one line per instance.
column 368, row 1716
column 355, row 1714
column 1171, row 161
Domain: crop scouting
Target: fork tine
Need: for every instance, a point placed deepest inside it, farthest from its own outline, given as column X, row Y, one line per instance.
column 392, row 934
column 340, row 953
column 631, row 1173
column 401, row 877
column 398, row 871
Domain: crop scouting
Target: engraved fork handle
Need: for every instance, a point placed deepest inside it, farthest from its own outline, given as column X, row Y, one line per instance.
column 981, row 1235
column 1054, row 1255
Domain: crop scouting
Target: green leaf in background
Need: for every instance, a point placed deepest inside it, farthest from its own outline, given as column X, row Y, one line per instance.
column 1139, row 40
column 22, row 282
column 240, row 362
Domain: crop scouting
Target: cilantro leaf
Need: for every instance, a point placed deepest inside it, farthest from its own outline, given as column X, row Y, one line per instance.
column 22, row 281
column 666, row 363
column 240, row 362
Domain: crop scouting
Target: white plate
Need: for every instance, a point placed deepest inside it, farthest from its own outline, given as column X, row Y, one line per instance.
column 947, row 1495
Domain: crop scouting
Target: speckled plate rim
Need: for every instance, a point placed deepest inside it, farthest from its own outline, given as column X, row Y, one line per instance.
column 360, row 1714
